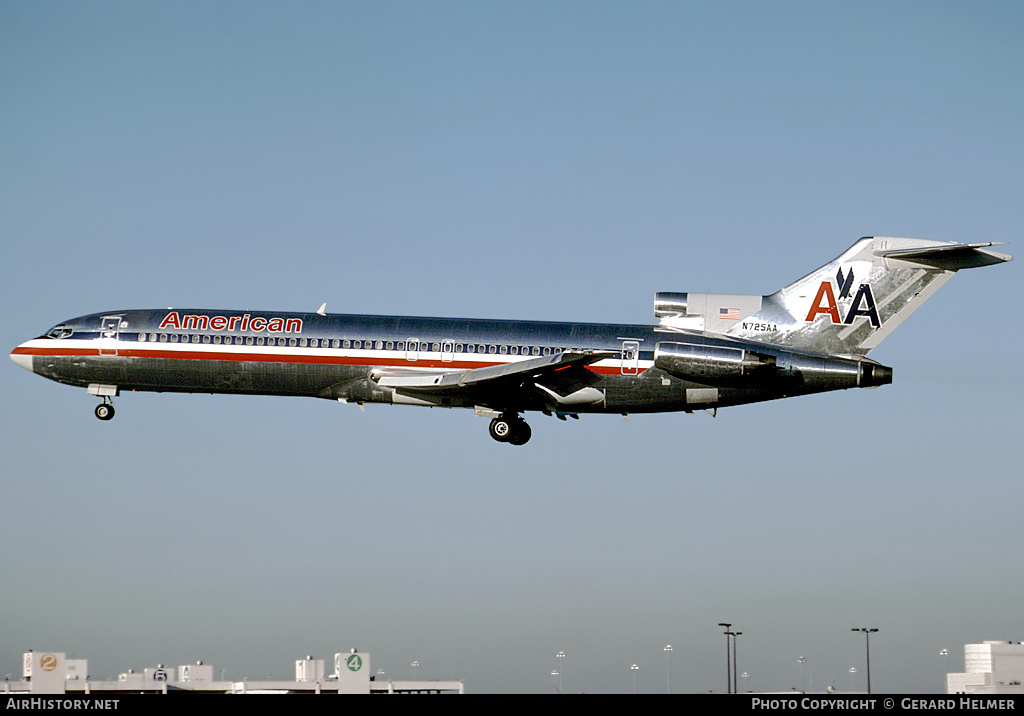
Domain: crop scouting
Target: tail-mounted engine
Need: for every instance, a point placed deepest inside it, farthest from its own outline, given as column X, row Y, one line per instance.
column 714, row 365
column 729, row 366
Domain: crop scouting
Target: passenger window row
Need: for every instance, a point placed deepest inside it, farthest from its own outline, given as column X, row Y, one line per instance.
column 403, row 346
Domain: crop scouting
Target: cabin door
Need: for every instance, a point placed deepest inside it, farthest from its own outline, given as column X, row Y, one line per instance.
column 109, row 328
column 630, row 357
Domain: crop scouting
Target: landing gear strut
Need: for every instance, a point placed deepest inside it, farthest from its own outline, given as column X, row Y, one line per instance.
column 510, row 429
column 105, row 410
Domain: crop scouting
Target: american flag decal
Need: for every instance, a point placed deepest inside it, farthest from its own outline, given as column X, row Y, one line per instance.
column 733, row 314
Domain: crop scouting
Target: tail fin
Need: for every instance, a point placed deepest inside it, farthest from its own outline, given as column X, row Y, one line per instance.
column 848, row 306
column 844, row 308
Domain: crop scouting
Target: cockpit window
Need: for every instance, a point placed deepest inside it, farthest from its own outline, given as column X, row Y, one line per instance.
column 59, row 332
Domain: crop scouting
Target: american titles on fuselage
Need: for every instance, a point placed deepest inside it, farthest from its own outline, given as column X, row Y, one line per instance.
column 243, row 323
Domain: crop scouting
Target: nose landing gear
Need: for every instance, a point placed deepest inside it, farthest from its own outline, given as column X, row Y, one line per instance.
column 106, row 393
column 105, row 410
column 510, row 428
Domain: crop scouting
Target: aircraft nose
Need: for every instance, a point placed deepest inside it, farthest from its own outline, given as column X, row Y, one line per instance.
column 19, row 356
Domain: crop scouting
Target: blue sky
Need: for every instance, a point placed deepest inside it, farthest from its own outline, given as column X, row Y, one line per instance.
column 549, row 160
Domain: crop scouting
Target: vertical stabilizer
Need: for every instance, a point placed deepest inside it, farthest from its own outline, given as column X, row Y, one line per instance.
column 848, row 306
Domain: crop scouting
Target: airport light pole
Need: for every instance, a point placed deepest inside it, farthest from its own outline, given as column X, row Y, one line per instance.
column 735, row 664
column 867, row 646
column 728, row 658
column 634, row 668
column 668, row 654
column 945, row 679
column 800, row 660
column 560, row 656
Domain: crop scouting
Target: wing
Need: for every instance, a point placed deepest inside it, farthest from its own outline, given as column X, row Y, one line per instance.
column 530, row 369
column 561, row 379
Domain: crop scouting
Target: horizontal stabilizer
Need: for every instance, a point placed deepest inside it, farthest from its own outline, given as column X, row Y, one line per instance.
column 951, row 257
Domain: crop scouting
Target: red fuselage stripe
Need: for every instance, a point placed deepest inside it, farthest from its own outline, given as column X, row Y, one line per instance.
column 216, row 355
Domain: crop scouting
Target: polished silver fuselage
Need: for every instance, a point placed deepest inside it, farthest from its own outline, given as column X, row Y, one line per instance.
column 337, row 357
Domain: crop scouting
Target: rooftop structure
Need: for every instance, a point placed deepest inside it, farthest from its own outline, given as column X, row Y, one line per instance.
column 53, row 673
column 992, row 667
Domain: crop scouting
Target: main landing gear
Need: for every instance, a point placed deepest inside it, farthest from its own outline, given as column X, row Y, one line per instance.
column 510, row 428
column 105, row 410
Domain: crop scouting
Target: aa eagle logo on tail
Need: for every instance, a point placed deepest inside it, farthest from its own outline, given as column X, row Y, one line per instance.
column 863, row 303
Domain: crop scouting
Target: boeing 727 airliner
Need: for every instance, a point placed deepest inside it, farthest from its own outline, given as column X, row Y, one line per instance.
column 708, row 350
